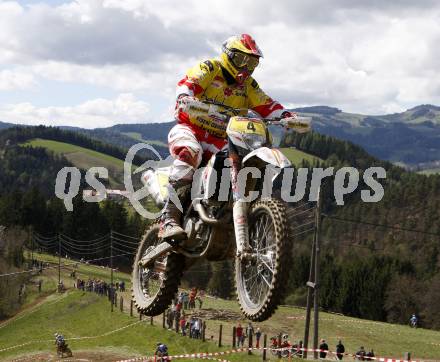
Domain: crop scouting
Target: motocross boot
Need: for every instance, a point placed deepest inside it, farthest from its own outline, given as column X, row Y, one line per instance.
column 171, row 228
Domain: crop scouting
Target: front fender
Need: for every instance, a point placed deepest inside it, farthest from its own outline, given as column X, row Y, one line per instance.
column 271, row 156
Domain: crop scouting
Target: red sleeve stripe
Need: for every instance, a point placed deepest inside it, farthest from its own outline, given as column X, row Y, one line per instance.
column 265, row 110
column 194, row 87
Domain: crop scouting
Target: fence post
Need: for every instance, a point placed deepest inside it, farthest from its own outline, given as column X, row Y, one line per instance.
column 220, row 335
column 204, row 332
column 163, row 320
column 121, row 304
column 264, row 346
column 233, row 337
column 131, row 308
column 151, row 320
column 250, row 343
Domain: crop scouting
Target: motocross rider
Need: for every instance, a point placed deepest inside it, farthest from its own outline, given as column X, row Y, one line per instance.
column 228, row 81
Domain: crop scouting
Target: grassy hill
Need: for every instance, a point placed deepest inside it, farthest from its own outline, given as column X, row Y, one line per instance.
column 296, row 156
column 83, row 158
column 80, row 314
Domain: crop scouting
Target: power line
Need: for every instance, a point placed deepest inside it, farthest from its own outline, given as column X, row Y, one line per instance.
column 126, row 241
column 127, row 236
column 381, row 225
column 85, row 241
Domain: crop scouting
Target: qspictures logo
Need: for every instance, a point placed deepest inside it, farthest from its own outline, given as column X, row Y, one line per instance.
column 346, row 180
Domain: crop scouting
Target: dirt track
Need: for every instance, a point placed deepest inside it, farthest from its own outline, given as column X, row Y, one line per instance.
column 77, row 357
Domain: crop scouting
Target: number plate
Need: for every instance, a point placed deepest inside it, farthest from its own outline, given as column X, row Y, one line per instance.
column 247, row 125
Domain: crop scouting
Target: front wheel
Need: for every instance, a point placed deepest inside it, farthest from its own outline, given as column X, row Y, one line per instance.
column 261, row 278
column 154, row 288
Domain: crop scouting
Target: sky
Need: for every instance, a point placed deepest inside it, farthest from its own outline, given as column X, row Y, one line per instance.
column 95, row 63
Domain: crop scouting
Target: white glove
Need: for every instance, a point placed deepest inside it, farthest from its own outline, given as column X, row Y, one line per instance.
column 297, row 123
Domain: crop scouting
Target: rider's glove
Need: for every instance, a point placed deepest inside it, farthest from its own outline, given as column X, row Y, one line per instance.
column 298, row 124
column 183, row 99
column 288, row 114
column 181, row 106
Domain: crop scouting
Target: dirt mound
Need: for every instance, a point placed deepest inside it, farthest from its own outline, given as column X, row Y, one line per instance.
column 83, row 356
column 217, row 314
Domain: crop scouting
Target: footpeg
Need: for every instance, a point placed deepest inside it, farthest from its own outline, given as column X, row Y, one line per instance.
column 154, row 254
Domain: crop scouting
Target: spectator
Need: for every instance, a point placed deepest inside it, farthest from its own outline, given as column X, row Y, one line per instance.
column 191, row 327
column 185, row 300
column 257, row 338
column 239, row 334
column 192, row 298
column 199, row 299
column 360, row 355
column 370, row 355
column 413, row 321
column 161, row 351
column 170, row 319
column 183, row 325
column 324, row 349
column 196, row 328
column 340, row 350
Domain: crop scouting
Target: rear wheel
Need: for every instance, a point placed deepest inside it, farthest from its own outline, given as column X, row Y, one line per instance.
column 261, row 279
column 154, row 288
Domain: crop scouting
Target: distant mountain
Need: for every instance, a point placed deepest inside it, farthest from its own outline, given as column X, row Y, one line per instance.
column 410, row 138
column 4, row 125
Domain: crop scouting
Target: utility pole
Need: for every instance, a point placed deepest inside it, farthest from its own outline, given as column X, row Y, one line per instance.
column 313, row 285
column 310, row 287
column 112, row 288
column 317, row 281
column 111, row 258
column 59, row 260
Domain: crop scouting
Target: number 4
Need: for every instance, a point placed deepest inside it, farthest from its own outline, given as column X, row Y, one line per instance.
column 251, row 126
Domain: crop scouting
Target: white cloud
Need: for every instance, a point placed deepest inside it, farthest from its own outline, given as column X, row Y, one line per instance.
column 123, row 78
column 361, row 56
column 15, row 80
column 91, row 114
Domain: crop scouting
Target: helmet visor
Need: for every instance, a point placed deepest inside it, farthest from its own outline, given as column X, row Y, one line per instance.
column 243, row 60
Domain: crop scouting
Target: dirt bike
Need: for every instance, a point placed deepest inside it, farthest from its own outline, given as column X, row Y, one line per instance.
column 285, row 349
column 62, row 349
column 225, row 224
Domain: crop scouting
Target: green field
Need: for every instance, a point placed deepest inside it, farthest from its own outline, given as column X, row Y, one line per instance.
column 83, row 158
column 430, row 171
column 80, row 314
column 296, row 156
column 137, row 136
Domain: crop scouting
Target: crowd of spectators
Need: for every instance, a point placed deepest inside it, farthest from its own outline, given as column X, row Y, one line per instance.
column 178, row 320
column 100, row 287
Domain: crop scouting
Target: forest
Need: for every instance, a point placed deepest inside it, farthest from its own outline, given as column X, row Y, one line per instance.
column 378, row 261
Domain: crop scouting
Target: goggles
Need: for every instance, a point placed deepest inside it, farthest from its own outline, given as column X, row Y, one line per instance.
column 243, row 60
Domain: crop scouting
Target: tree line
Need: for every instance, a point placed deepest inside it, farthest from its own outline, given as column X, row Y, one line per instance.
column 368, row 270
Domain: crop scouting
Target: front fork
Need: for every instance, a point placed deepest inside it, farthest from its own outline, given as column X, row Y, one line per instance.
column 239, row 210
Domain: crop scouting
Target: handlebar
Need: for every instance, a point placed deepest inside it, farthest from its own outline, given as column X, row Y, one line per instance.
column 211, row 108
